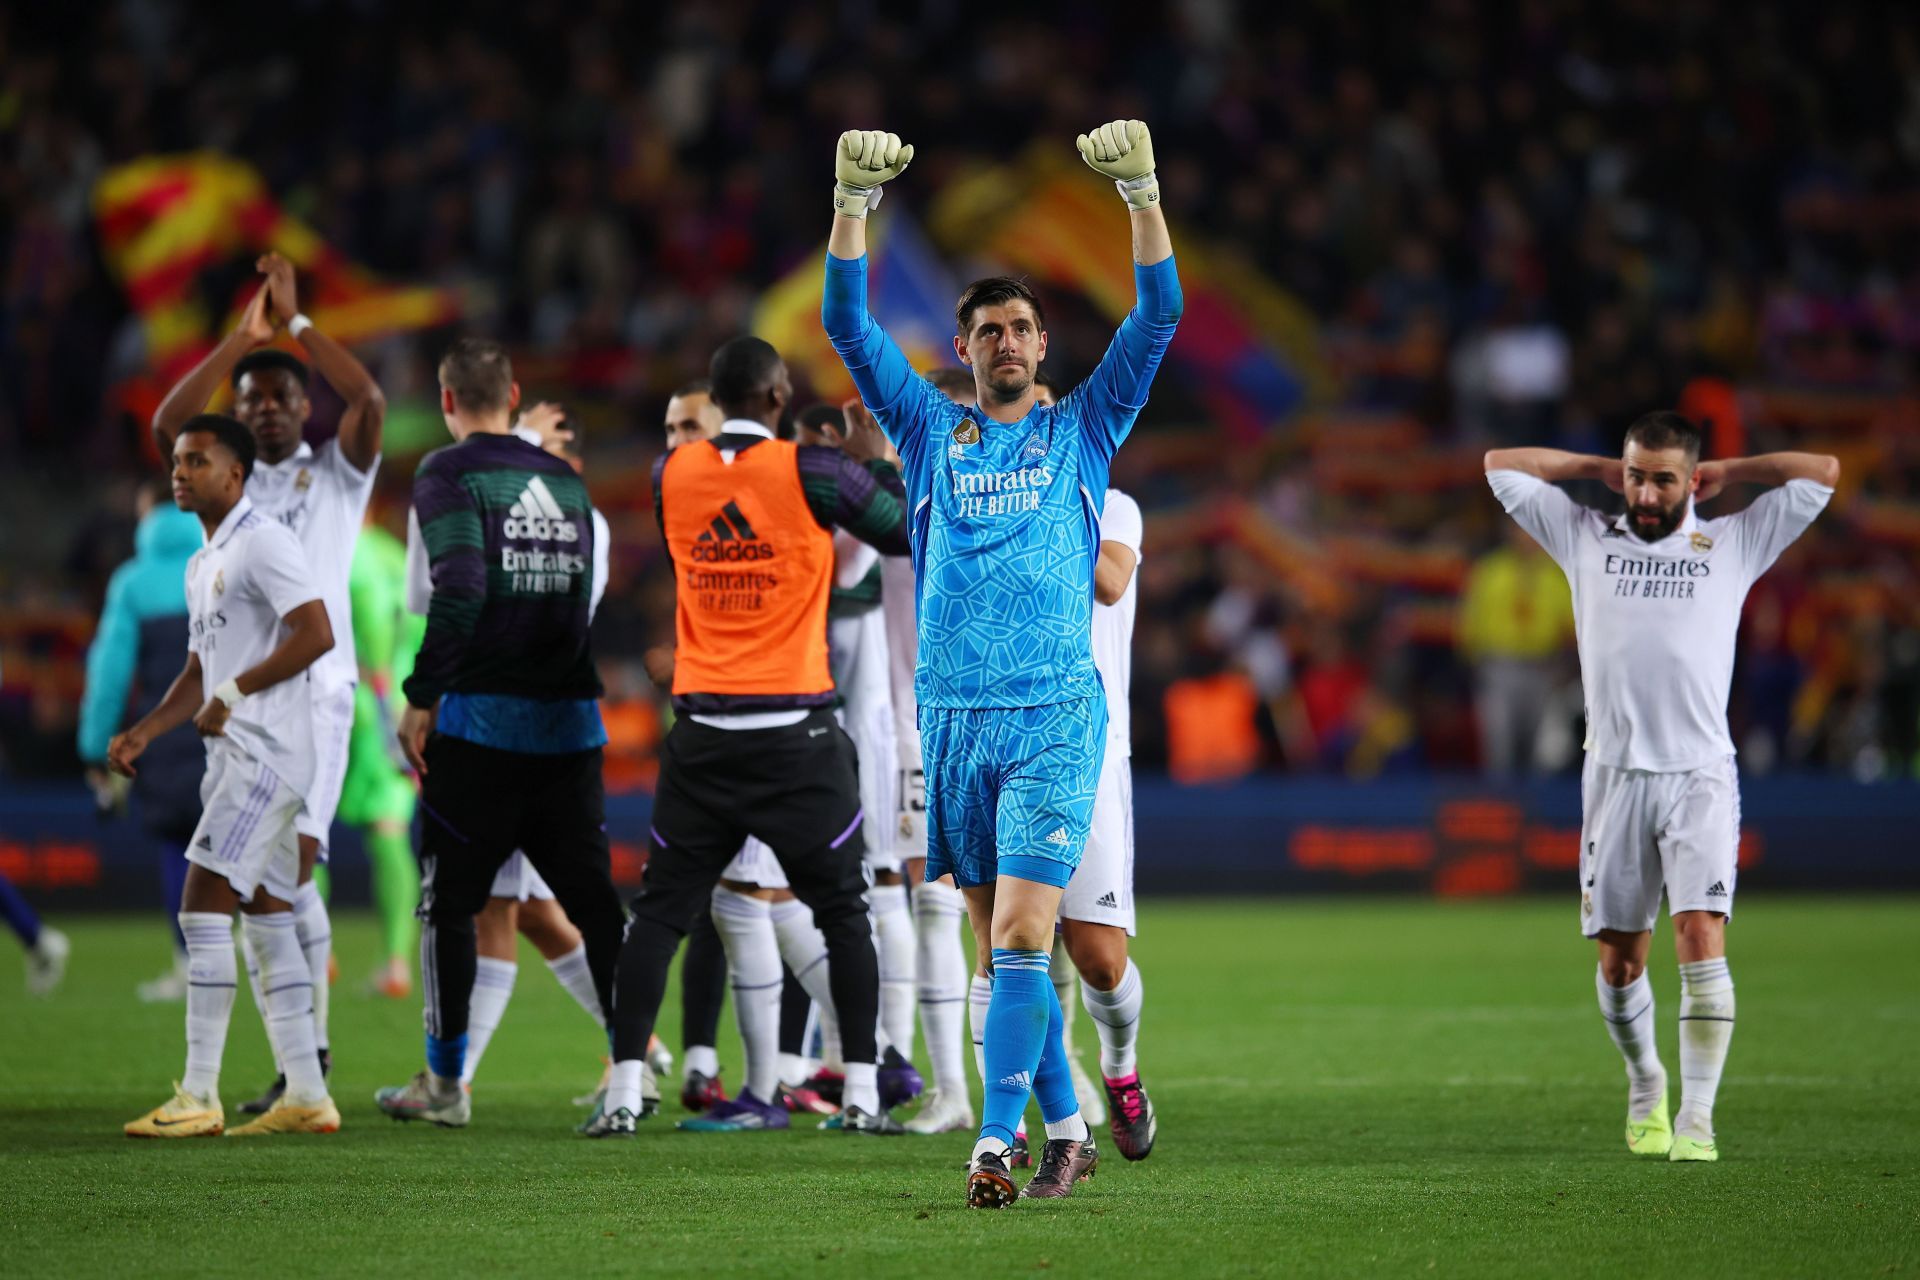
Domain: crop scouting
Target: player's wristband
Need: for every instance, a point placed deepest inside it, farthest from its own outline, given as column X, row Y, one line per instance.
column 1142, row 192
column 855, row 202
column 228, row 691
column 299, row 324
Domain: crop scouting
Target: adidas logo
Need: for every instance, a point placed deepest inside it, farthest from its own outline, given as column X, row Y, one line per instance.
column 1059, row 836
column 1018, row 1080
column 538, row 517
column 1107, row 900
column 1718, row 889
column 731, row 538
column 205, row 842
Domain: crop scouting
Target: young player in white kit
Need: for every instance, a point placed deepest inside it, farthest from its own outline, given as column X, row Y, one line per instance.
column 321, row 495
column 1657, row 595
column 257, row 626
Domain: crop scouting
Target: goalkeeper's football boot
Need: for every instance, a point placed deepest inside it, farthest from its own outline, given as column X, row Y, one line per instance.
column 285, row 1117
column 989, row 1185
column 181, row 1116
column 1063, row 1162
column 1130, row 1116
column 1651, row 1134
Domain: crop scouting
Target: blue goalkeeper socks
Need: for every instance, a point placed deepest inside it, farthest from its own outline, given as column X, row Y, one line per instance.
column 1018, row 1022
column 1053, row 1078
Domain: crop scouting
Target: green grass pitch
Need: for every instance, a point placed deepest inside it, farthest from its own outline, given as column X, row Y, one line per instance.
column 1345, row 1087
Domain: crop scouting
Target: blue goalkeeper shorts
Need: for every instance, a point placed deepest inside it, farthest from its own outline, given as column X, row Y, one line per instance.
column 1010, row 790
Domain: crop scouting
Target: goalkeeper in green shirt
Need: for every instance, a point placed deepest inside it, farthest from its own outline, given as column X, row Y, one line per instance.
column 378, row 796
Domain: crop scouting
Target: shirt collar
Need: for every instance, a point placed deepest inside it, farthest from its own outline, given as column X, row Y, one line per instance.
column 1688, row 523
column 742, row 427
column 302, row 454
column 241, row 510
column 528, row 434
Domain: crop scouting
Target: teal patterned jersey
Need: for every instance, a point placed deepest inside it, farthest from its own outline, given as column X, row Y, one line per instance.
column 1004, row 517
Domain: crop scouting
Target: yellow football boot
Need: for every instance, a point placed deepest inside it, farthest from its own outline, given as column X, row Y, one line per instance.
column 286, row 1117
column 181, row 1116
column 1653, row 1134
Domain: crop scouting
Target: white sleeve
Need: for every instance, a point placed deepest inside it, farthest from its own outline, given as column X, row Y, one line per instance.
column 1773, row 521
column 853, row 560
column 1542, row 509
column 419, row 571
column 277, row 569
column 1121, row 522
column 602, row 560
column 355, row 483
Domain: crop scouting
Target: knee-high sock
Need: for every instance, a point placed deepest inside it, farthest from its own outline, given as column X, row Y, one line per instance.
column 804, row 951
column 1053, row 1078
column 274, row 943
column 1628, row 1012
column 396, row 888
column 942, row 982
column 212, row 973
column 492, row 989
column 1020, row 1023
column 173, row 883
column 753, row 962
column 1706, row 1029
column 1116, row 1017
column 979, row 998
column 259, row 1002
column 1060, row 968
column 573, row 973
column 894, row 941
column 703, row 989
column 315, row 931
column 19, row 915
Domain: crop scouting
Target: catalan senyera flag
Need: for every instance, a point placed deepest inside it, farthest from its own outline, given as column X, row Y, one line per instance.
column 163, row 220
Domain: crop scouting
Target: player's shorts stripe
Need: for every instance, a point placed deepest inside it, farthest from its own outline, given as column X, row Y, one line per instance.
column 851, row 828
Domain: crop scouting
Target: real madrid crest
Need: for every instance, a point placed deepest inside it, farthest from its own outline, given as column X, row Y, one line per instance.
column 303, row 481
column 968, row 432
column 1700, row 542
column 220, row 582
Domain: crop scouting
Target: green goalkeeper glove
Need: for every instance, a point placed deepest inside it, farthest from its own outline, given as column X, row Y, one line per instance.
column 1123, row 150
column 865, row 159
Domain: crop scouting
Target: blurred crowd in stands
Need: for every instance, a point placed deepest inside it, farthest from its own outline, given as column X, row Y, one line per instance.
column 1514, row 222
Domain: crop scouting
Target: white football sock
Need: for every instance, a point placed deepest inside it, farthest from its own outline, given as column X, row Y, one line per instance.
column 745, row 926
column 212, row 974
column 260, row 1003
column 1706, row 1029
column 274, row 943
column 1074, row 1126
column 894, row 942
column 314, row 928
column 793, row 1070
column 942, row 973
column 979, row 996
column 1628, row 1011
column 1116, row 1017
column 703, row 1058
column 804, row 949
column 1064, row 978
column 572, row 971
column 862, row 1089
column 623, row 1087
column 492, row 989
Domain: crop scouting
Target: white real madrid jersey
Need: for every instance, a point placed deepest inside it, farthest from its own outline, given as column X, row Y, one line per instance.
column 1113, row 624
column 322, row 498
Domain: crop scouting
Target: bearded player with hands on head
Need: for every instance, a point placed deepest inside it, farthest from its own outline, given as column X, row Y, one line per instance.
column 1005, row 502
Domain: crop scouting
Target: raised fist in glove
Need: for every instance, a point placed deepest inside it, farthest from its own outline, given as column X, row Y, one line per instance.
column 864, row 159
column 1123, row 150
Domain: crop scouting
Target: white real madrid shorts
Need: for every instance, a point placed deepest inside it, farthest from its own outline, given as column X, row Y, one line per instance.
column 1644, row 832
column 756, row 865
column 246, row 832
column 518, row 880
column 332, row 733
column 1101, row 891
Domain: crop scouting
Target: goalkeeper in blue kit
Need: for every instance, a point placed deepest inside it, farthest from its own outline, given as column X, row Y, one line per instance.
column 1005, row 501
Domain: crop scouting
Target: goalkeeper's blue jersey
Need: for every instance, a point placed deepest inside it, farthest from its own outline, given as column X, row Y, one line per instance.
column 1004, row 517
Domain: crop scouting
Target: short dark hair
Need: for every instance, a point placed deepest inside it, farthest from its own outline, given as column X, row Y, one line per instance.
column 229, row 432
column 697, row 387
column 817, row 417
column 1665, row 429
column 741, row 371
column 479, row 373
column 994, row 291
column 271, row 358
column 953, row 380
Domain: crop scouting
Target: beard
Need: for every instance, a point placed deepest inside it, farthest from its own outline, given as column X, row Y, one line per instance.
column 1669, row 519
column 1009, row 383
